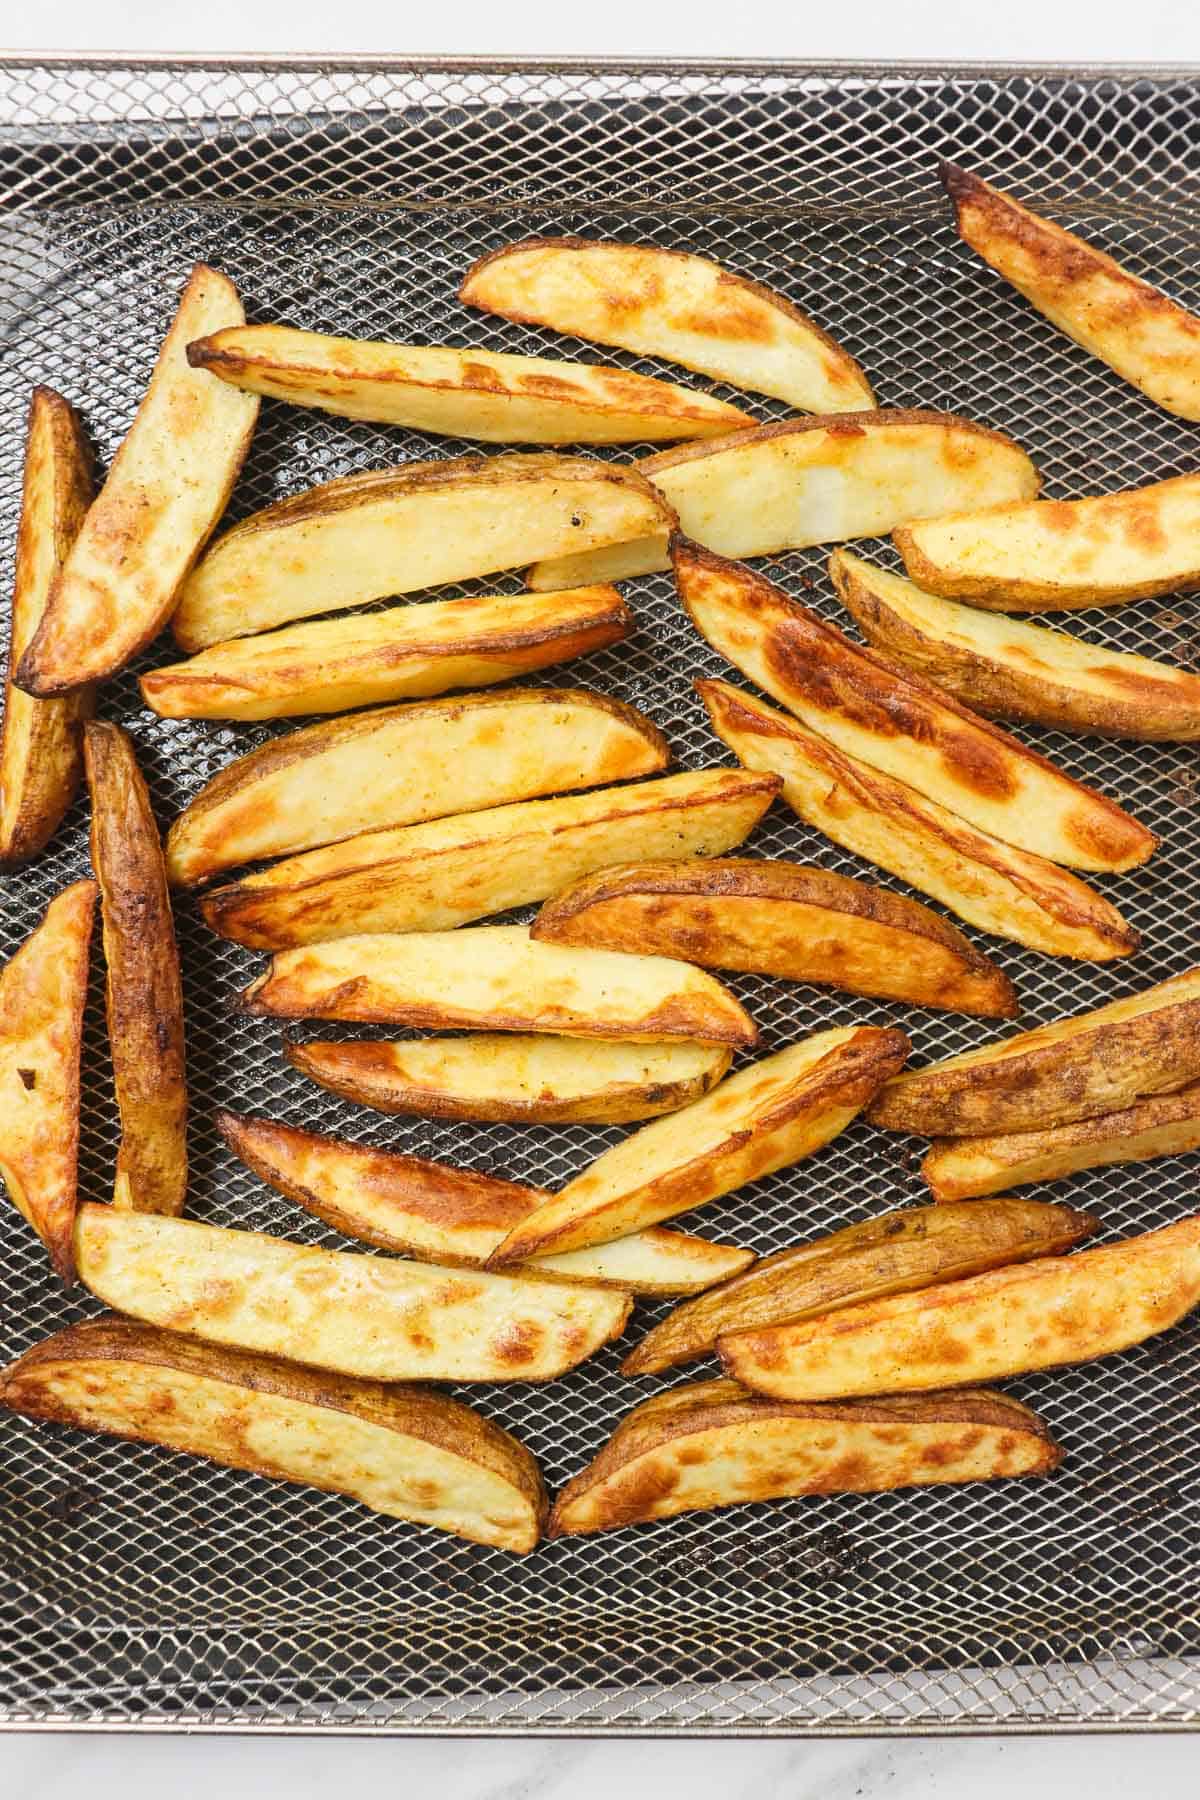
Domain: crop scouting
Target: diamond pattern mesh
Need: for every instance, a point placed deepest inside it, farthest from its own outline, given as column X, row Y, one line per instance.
column 142, row 1587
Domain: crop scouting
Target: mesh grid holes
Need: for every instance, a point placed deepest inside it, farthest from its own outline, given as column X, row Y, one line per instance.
column 136, row 1584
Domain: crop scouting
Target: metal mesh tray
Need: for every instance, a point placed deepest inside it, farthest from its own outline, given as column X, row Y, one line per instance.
column 138, row 1587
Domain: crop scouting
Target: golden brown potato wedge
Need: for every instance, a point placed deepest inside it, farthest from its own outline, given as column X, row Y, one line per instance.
column 516, row 1079
column 1009, row 669
column 165, row 491
column 406, row 653
column 409, row 1452
column 1136, row 329
column 495, row 978
column 894, row 1254
column 1163, row 1125
column 41, row 750
column 1079, row 1068
column 391, row 531
column 712, row 1443
column 403, row 764
column 355, row 1315
column 1038, row 1315
column 465, row 393
column 42, row 992
column 144, row 993
column 999, row 888
column 761, row 1119
column 433, row 877
column 437, row 1213
column 1040, row 555
column 672, row 304
column 778, row 918
column 809, row 481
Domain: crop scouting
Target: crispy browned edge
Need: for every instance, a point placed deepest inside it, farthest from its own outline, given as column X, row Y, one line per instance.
column 722, row 1403
column 144, row 993
column 53, row 775
column 410, row 1410
column 854, row 424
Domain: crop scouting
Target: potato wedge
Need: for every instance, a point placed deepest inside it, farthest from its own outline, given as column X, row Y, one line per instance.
column 759, row 1120
column 406, row 653
column 1079, row 1068
column 436, row 1213
column 712, row 1443
column 391, row 531
column 372, row 1316
column 1163, row 1125
column 778, row 918
column 1038, row 1315
column 882, row 714
column 411, row 1453
column 808, row 481
column 42, row 993
column 41, row 748
column 515, row 1079
column 999, row 888
column 495, row 978
column 672, row 304
column 433, row 877
column 464, row 393
column 1043, row 555
column 894, row 1254
column 403, row 764
column 165, row 491
column 1136, row 329
column 1009, row 669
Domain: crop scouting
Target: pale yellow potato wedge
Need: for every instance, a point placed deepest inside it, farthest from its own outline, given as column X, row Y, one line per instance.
column 406, row 653
column 1046, row 554
column 392, row 531
column 989, row 884
column 1163, row 1125
column 165, row 491
column 371, row 1316
column 408, row 1452
column 436, row 876
column 436, row 1213
column 779, row 918
column 761, row 1119
column 882, row 714
column 1009, row 669
column 1079, row 1068
column 1135, row 328
column 672, row 304
column 809, row 481
column 1038, row 1315
column 495, row 978
column 712, row 1443
column 42, row 993
column 515, row 1079
column 41, row 747
column 404, row 764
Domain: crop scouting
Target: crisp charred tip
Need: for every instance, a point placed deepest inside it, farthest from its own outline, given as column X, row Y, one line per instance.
column 201, row 352
column 958, row 182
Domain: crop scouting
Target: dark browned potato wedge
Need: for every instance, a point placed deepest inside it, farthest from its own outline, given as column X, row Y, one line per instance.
column 1080, row 1068
column 714, row 1444
column 1164, row 1125
column 1009, row 669
column 1136, row 329
column 437, row 1213
column 409, row 1452
column 895, row 1254
column 993, row 885
column 882, row 714
column 144, row 992
column 41, row 751
column 42, row 992
column 1038, row 1315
